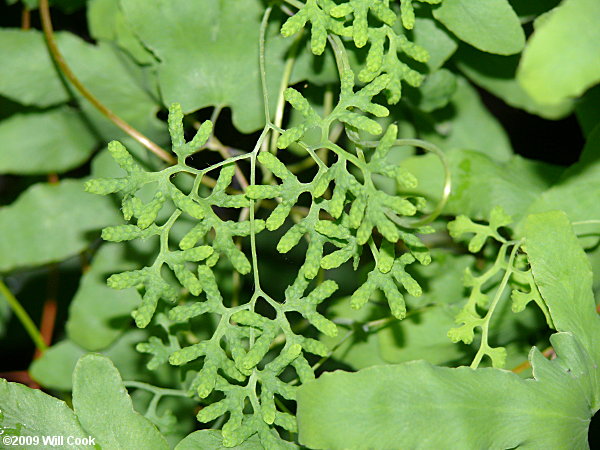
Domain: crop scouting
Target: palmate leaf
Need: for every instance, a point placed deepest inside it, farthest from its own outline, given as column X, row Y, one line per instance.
column 498, row 75
column 400, row 404
column 31, row 412
column 204, row 46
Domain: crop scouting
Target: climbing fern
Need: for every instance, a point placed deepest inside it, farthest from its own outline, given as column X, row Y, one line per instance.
column 238, row 370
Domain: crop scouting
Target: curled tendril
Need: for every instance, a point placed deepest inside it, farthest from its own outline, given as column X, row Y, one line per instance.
column 447, row 186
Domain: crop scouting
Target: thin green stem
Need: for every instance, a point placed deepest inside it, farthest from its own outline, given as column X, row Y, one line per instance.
column 446, row 190
column 586, row 222
column 155, row 389
column 374, row 251
column 372, row 326
column 285, row 80
column 23, row 317
column 485, row 327
column 226, row 161
column 263, row 72
column 165, row 230
column 341, row 57
column 253, row 252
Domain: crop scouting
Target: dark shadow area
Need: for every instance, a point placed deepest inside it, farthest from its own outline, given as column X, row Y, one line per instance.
column 552, row 141
column 594, row 432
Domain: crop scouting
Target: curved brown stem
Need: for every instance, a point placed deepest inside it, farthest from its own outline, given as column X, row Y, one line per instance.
column 69, row 75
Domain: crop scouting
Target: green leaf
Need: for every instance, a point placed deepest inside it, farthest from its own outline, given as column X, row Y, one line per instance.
column 489, row 25
column 561, row 58
column 212, row 439
column 468, row 125
column 39, row 85
column 440, row 46
column 54, row 369
column 208, row 54
column 479, row 183
column 421, row 336
column 362, row 348
column 497, row 75
column 97, row 313
column 400, row 405
column 107, row 22
column 104, row 408
column 44, row 142
column 563, row 275
column 101, row 68
column 48, row 223
column 31, row 412
column 437, row 90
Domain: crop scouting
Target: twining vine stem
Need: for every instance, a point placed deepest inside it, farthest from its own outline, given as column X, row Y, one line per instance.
column 66, row 70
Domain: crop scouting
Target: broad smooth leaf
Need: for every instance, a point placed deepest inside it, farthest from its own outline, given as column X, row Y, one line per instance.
column 489, row 25
column 26, row 72
column 97, row 313
column 562, row 272
column 417, row 405
column 100, row 68
column 49, row 223
column 31, row 412
column 362, row 348
column 43, row 142
column 104, row 408
column 208, row 52
column 440, row 46
column 497, row 74
column 399, row 406
column 54, row 369
column 437, row 90
column 107, row 22
column 562, row 57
